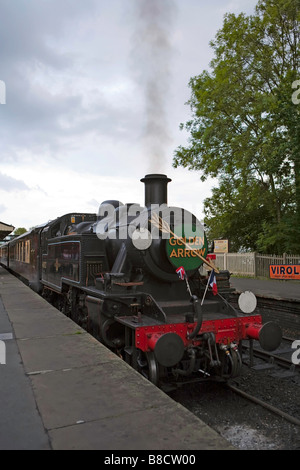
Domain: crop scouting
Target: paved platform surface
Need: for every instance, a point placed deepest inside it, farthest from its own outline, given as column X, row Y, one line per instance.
column 283, row 290
column 62, row 389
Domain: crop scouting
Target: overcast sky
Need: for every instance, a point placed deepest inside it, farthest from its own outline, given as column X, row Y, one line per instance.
column 95, row 94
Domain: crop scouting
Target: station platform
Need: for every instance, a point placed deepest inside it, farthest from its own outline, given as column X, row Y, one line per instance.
column 62, row 390
column 288, row 290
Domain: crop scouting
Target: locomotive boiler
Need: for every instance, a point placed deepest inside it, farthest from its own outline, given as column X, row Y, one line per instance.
column 139, row 279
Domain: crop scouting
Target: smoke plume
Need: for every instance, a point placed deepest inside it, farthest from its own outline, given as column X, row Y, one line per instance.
column 152, row 56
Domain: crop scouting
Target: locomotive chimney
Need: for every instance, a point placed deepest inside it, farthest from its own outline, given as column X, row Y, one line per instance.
column 156, row 189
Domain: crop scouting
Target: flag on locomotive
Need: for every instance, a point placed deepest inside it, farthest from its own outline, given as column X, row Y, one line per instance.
column 183, row 277
column 181, row 273
column 212, row 282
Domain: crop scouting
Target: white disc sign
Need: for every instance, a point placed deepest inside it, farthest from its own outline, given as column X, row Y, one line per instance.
column 247, row 302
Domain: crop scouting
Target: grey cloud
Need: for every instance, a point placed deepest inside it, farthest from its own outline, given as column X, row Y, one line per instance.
column 38, row 36
column 27, row 28
column 31, row 116
column 7, row 183
column 35, row 121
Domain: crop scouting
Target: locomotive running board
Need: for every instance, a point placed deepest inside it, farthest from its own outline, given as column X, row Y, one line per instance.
column 136, row 321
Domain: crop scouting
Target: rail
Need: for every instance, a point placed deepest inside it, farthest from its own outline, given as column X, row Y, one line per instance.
column 262, row 403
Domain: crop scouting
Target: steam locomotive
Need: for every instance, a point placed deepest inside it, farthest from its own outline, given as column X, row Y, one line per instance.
column 139, row 279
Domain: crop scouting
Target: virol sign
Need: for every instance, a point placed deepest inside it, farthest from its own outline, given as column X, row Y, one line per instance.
column 285, row 271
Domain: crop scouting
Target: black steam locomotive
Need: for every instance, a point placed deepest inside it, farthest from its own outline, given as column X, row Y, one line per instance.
column 135, row 278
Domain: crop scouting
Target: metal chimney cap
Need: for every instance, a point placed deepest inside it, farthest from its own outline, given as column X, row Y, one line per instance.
column 155, row 176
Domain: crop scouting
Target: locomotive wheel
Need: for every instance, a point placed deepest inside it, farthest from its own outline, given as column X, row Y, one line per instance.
column 147, row 366
column 112, row 333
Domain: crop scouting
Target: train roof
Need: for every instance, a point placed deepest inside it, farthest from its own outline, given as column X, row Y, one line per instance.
column 24, row 235
column 71, row 218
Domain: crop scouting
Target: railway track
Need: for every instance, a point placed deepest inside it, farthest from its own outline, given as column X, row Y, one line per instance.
column 260, row 408
column 275, row 358
column 281, row 357
column 264, row 404
column 254, row 411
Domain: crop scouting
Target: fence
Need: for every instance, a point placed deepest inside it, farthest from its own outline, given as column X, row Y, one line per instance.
column 252, row 264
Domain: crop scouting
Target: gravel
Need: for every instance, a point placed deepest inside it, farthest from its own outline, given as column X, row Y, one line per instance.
column 244, row 424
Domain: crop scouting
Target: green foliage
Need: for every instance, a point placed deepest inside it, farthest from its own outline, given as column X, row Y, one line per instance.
column 245, row 129
column 20, row 231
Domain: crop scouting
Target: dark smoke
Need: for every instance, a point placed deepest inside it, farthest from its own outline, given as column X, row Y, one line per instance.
column 152, row 56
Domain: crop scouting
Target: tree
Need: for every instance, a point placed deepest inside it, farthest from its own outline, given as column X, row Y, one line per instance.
column 245, row 129
column 20, row 231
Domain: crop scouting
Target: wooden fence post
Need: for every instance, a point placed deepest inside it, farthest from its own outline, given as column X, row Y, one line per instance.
column 254, row 263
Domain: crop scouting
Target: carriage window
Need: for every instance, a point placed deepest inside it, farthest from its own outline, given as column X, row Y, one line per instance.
column 23, row 251
column 27, row 251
